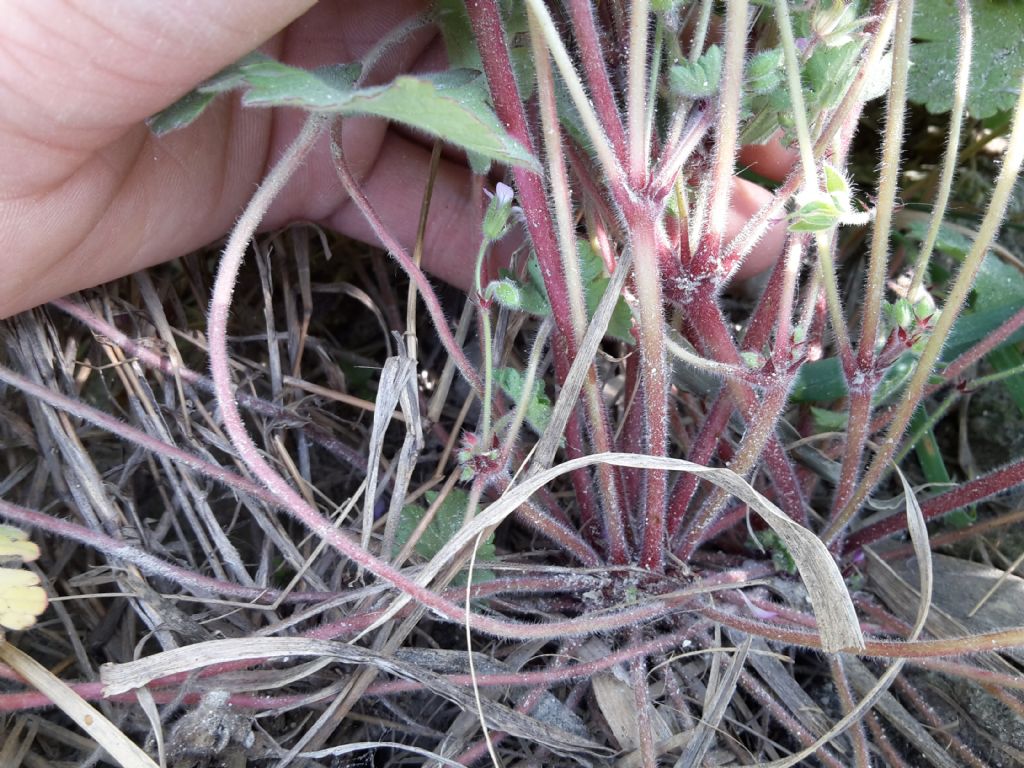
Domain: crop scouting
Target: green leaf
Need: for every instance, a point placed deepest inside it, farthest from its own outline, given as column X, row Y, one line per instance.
column 782, row 559
column 815, row 216
column 592, row 273
column 447, row 522
column 181, row 113
column 451, row 105
column 460, row 45
column 950, row 240
column 764, row 72
column 594, row 283
column 835, row 182
column 273, row 84
column 997, row 63
column 538, row 409
column 190, row 106
column 699, row 79
column 829, row 421
column 828, row 73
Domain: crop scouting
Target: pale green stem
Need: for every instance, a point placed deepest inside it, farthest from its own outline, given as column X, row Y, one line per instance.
column 955, row 301
column 588, row 117
column 728, row 115
column 823, row 240
column 636, row 90
column 652, row 85
column 485, row 321
column 963, row 71
column 827, row 271
column 558, row 178
column 690, row 358
column 700, row 34
column 529, row 379
column 891, row 145
column 796, row 96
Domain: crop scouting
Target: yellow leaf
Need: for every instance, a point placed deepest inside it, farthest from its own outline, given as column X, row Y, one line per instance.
column 21, row 598
column 14, row 543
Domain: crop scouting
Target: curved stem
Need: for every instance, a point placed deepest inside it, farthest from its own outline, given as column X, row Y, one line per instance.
column 415, row 274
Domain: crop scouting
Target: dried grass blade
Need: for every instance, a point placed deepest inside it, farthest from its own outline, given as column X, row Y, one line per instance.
column 394, row 379
column 569, row 397
column 837, row 619
column 87, row 717
column 919, row 538
column 714, row 709
column 120, row 678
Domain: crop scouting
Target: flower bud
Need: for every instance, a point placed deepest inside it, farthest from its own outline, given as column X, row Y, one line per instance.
column 498, row 211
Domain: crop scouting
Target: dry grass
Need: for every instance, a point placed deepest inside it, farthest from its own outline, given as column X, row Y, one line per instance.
column 243, row 622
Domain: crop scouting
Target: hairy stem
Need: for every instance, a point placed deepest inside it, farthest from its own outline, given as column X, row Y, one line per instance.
column 956, row 117
column 636, row 91
column 954, row 303
column 892, row 144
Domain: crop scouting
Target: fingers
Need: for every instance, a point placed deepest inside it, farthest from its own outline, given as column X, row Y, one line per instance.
column 747, row 199
column 74, row 76
column 774, row 162
column 771, row 160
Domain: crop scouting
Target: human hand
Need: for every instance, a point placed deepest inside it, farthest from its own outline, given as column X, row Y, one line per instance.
column 88, row 194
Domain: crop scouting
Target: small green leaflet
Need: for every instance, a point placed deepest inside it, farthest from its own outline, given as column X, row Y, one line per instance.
column 815, row 216
column 451, row 105
column 184, row 111
column 447, row 521
column 535, row 299
column 699, row 79
column 764, row 72
column 538, row 409
column 190, row 106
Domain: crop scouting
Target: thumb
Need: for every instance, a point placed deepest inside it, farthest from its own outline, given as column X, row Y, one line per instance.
column 75, row 74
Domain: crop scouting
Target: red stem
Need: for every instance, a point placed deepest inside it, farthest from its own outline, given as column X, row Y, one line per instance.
column 593, row 58
column 411, row 268
column 489, row 32
column 703, row 449
column 978, row 489
column 147, row 563
column 953, row 371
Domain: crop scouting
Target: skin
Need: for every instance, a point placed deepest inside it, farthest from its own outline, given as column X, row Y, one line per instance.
column 87, row 194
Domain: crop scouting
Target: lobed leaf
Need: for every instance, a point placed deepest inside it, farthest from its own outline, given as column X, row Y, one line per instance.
column 698, row 79
column 21, row 598
column 451, row 105
column 997, row 61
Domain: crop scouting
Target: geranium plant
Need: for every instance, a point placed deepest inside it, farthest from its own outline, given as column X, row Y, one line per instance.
column 615, row 128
